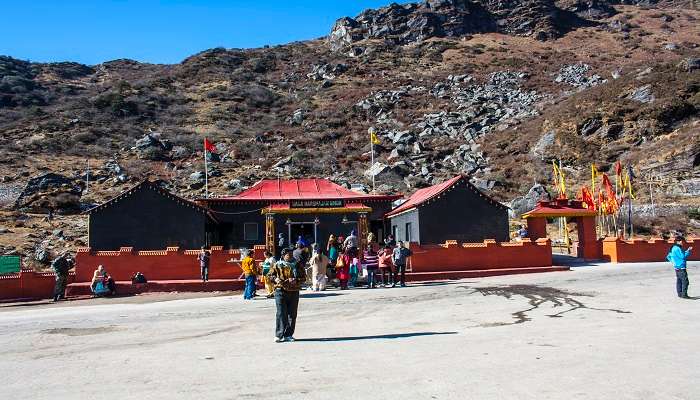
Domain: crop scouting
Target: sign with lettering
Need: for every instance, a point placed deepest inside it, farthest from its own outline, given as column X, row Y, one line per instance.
column 316, row 203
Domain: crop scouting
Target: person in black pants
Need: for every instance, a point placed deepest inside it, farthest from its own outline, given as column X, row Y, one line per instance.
column 287, row 275
column 401, row 254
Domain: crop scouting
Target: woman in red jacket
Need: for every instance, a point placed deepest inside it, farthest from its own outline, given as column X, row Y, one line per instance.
column 342, row 270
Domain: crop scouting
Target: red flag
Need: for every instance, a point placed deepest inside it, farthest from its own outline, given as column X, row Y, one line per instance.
column 209, row 146
column 618, row 168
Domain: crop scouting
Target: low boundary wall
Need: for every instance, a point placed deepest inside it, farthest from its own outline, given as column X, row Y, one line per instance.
column 29, row 284
column 170, row 264
column 490, row 254
column 639, row 250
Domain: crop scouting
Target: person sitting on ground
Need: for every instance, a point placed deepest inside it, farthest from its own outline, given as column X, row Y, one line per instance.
column 386, row 266
column 677, row 256
column 319, row 265
column 102, row 281
column 267, row 264
column 371, row 263
column 287, row 277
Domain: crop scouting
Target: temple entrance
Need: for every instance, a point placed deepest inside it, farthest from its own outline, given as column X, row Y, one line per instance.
column 574, row 237
column 307, row 230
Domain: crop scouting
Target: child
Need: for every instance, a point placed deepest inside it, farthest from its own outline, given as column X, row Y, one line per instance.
column 371, row 263
column 386, row 266
column 354, row 271
column 269, row 262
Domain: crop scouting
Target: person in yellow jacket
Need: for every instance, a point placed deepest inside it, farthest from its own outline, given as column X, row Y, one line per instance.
column 287, row 275
column 250, row 271
column 266, row 265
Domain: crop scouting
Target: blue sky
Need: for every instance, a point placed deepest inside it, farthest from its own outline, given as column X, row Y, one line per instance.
column 164, row 31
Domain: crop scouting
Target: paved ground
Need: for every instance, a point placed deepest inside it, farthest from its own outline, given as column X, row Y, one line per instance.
column 598, row 332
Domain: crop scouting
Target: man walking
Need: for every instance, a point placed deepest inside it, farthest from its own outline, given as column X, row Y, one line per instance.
column 203, row 258
column 677, row 256
column 287, row 276
column 61, row 265
column 401, row 254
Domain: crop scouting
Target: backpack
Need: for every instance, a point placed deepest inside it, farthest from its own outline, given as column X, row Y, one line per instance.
column 138, row 278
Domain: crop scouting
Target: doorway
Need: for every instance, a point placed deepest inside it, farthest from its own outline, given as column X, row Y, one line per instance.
column 307, row 230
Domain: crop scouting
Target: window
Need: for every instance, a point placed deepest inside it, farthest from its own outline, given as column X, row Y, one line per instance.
column 250, row 231
column 408, row 231
column 394, row 229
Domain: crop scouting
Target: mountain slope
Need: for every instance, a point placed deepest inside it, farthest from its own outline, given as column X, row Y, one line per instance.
column 606, row 82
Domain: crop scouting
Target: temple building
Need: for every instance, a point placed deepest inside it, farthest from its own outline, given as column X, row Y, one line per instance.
column 452, row 210
column 148, row 217
column 309, row 208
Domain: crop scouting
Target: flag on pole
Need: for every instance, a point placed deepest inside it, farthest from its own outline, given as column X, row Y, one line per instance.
column 559, row 180
column 209, row 146
column 373, row 137
column 594, row 176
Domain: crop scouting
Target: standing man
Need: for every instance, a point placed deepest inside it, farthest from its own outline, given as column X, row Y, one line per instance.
column 203, row 258
column 287, row 276
column 351, row 244
column 678, row 258
column 401, row 254
column 250, row 272
column 281, row 243
column 61, row 265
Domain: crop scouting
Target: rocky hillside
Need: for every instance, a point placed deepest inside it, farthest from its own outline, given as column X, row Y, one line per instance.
column 493, row 89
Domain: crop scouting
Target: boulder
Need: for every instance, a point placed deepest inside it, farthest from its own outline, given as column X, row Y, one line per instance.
column 526, row 203
column 51, row 191
column 690, row 64
column 642, row 94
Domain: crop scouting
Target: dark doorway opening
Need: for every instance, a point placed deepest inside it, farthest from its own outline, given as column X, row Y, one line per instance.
column 304, row 230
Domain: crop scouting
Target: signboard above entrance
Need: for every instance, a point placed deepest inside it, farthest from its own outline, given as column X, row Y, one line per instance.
column 316, row 203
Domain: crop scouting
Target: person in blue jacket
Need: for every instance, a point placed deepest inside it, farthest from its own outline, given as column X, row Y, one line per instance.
column 677, row 256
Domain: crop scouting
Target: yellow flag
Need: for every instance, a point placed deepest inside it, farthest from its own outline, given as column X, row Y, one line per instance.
column 373, row 137
column 594, row 176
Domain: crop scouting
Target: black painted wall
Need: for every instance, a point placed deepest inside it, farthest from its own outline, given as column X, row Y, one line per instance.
column 146, row 220
column 459, row 214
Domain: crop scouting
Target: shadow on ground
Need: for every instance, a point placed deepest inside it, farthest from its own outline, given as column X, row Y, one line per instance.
column 538, row 296
column 373, row 337
column 319, row 294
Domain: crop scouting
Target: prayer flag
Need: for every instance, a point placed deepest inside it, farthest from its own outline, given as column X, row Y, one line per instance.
column 373, row 137
column 209, row 146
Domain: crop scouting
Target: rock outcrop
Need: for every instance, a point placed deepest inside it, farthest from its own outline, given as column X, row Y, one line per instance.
column 414, row 22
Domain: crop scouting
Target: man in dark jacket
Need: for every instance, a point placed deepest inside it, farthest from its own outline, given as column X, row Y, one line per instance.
column 61, row 265
column 203, row 258
column 401, row 254
column 286, row 276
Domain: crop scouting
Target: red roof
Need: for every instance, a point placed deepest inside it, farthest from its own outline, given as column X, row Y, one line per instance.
column 423, row 195
column 299, row 189
column 560, row 208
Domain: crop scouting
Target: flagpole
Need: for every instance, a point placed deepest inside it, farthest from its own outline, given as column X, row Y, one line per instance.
column 87, row 177
column 206, row 173
column 372, row 165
